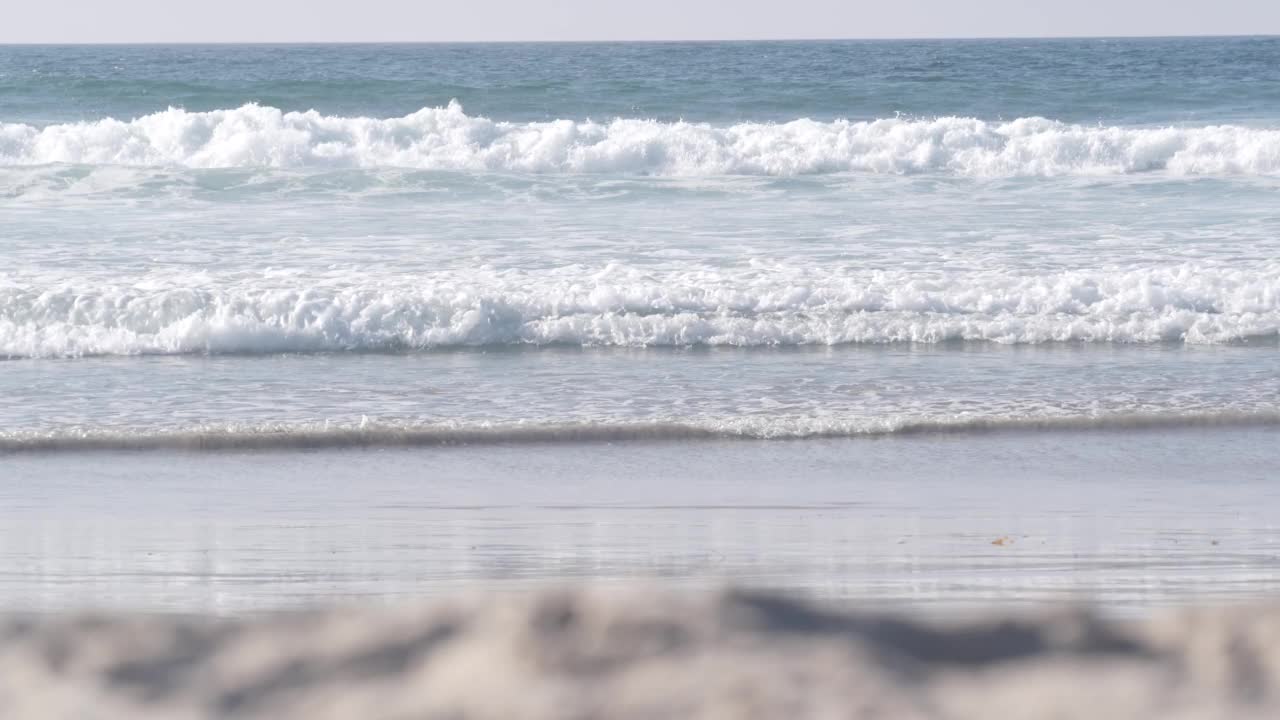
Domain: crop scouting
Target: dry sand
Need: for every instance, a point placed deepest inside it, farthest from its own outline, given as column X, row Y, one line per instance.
column 640, row 654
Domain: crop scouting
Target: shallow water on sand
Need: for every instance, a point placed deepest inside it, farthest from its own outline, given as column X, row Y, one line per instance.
column 1127, row 520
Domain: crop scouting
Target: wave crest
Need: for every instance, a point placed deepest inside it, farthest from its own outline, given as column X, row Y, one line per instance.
column 374, row 435
column 760, row 305
column 449, row 139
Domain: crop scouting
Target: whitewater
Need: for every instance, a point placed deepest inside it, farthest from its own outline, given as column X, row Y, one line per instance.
column 446, row 138
column 343, row 247
column 630, row 307
column 917, row 324
column 400, row 434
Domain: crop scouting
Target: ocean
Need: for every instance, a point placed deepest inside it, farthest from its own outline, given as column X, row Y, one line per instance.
column 867, row 291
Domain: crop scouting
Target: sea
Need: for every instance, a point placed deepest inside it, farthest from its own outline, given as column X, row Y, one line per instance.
column 941, row 322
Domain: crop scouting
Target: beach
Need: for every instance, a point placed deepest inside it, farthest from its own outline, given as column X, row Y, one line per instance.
column 1127, row 519
column 641, row 654
column 883, row 379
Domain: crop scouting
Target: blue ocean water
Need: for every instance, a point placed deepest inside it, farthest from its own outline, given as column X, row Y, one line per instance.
column 336, row 244
column 1088, row 81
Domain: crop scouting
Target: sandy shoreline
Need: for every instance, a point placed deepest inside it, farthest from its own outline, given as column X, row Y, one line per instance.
column 1124, row 521
column 640, row 654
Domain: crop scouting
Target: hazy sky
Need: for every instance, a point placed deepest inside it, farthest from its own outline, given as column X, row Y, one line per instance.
column 436, row 20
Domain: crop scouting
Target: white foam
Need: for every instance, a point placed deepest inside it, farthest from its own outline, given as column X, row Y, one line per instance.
column 412, row 434
column 448, row 139
column 752, row 305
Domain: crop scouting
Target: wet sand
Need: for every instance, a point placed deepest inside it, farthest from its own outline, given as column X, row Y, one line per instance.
column 896, row 578
column 1126, row 521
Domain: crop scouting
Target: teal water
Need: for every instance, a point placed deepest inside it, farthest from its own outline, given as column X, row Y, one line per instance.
column 1109, row 81
column 759, row 239
column 824, row 317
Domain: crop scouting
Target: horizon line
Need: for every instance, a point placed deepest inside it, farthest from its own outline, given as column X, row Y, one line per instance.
column 640, row 41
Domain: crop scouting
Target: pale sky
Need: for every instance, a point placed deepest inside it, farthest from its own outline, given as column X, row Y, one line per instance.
column 470, row 20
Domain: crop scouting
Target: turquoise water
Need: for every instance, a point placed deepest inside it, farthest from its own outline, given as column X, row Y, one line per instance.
column 824, row 317
column 1108, row 81
column 218, row 243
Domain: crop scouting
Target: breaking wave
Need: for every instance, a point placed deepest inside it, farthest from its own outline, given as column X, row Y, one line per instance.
column 757, row 305
column 448, row 139
column 377, row 435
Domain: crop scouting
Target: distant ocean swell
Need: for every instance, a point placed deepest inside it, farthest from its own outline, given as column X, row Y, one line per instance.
column 373, row 434
column 449, row 139
column 759, row 305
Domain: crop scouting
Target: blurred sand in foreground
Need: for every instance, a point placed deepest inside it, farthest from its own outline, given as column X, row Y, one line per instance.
column 640, row 654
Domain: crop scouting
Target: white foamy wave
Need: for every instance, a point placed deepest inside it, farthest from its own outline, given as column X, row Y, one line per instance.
column 448, row 139
column 755, row 305
column 409, row 434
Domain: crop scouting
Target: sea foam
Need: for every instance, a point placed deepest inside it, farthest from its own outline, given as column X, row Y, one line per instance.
column 754, row 305
column 284, row 436
column 448, row 139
